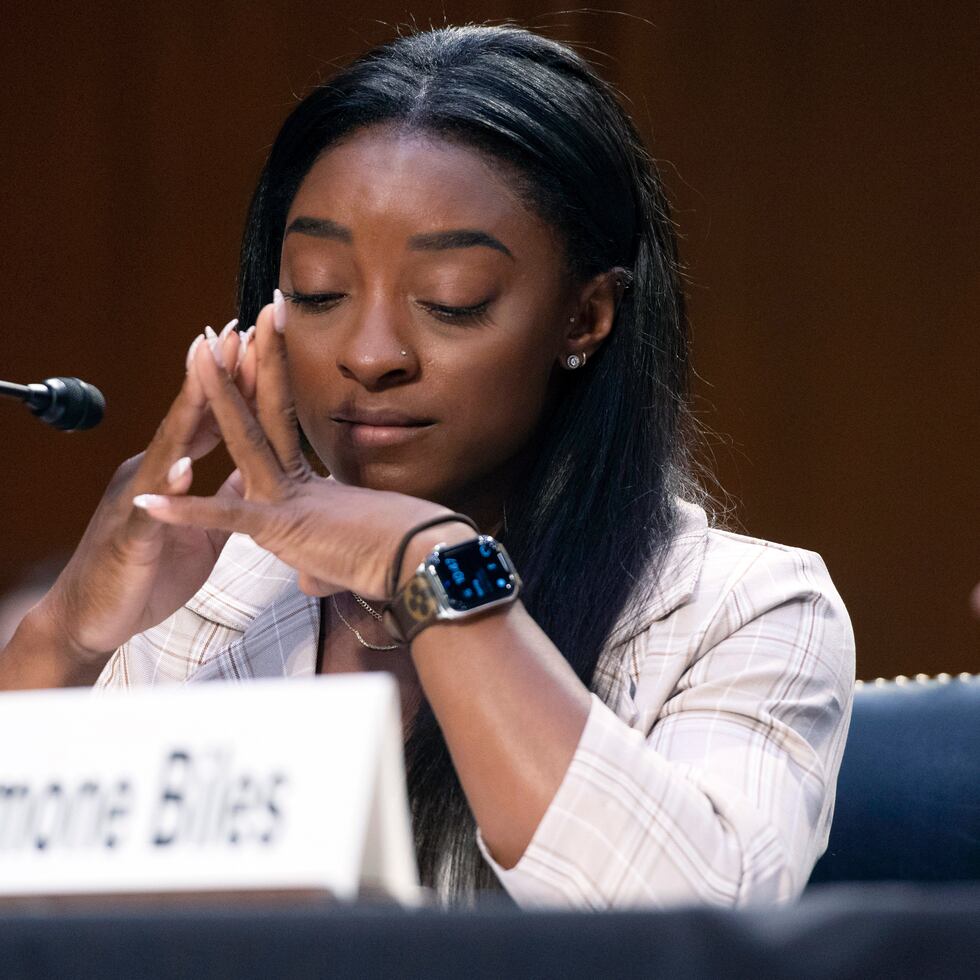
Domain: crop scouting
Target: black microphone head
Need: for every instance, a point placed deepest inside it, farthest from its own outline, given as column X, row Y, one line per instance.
column 74, row 404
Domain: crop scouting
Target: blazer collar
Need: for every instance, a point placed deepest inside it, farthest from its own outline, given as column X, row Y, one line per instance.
column 245, row 581
column 280, row 642
column 674, row 583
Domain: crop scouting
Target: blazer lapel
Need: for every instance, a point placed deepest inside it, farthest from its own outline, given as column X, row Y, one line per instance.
column 280, row 641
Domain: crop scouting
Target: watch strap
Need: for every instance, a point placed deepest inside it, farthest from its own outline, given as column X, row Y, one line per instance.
column 412, row 609
column 395, row 572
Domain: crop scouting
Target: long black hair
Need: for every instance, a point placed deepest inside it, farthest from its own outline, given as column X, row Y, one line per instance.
column 595, row 513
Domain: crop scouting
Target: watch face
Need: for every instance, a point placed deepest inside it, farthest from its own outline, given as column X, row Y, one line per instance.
column 474, row 574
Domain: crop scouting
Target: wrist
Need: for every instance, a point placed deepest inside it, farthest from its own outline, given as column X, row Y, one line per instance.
column 451, row 574
column 423, row 543
column 41, row 655
column 413, row 544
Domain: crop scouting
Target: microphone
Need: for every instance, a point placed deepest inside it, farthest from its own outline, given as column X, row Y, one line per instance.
column 66, row 403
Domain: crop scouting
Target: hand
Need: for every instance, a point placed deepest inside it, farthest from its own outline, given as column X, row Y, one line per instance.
column 130, row 572
column 336, row 536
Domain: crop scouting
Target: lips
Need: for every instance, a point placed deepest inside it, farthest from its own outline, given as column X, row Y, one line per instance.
column 378, row 427
column 379, row 417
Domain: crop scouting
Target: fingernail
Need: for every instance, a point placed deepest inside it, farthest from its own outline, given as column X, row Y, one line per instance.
column 178, row 469
column 146, row 500
column 251, row 331
column 243, row 347
column 215, row 346
column 278, row 311
column 227, row 329
column 191, row 349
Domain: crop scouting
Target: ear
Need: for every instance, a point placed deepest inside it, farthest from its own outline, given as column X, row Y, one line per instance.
column 592, row 320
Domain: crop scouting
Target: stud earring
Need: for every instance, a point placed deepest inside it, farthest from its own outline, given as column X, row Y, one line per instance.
column 574, row 361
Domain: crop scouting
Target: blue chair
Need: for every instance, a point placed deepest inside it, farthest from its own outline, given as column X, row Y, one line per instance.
column 908, row 798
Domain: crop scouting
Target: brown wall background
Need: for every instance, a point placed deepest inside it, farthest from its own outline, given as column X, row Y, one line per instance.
column 822, row 160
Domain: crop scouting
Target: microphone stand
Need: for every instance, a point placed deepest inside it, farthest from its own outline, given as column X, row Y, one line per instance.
column 23, row 392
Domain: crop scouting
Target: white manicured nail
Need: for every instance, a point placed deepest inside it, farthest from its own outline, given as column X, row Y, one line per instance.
column 227, row 328
column 178, row 469
column 192, row 348
column 146, row 500
column 215, row 346
column 278, row 311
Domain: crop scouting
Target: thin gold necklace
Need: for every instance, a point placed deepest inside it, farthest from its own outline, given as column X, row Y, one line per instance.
column 355, row 631
column 364, row 604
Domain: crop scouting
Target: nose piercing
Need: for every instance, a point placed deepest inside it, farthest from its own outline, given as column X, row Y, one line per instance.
column 404, row 353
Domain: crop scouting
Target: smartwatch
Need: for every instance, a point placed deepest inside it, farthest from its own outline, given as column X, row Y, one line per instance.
column 454, row 581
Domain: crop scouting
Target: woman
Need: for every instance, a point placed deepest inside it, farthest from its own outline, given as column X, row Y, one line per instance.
column 480, row 325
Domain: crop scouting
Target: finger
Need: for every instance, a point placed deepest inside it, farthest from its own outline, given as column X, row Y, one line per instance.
column 242, row 433
column 247, row 363
column 176, row 434
column 274, row 397
column 234, row 486
column 231, row 345
column 187, row 432
column 180, row 476
column 229, row 513
column 239, row 354
column 208, row 434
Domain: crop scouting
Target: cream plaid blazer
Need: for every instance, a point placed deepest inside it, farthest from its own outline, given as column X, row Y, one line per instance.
column 707, row 767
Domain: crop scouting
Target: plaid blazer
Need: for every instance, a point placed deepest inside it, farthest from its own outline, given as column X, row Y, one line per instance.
column 707, row 768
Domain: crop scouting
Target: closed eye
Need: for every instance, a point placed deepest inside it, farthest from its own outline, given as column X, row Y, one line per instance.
column 319, row 302
column 314, row 301
column 458, row 314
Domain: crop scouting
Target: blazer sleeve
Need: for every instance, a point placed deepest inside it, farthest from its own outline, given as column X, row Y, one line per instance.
column 722, row 791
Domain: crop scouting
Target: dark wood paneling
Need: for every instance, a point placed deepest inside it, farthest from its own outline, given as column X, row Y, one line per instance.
column 823, row 162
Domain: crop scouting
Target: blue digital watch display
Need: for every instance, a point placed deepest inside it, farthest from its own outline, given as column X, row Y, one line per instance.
column 474, row 574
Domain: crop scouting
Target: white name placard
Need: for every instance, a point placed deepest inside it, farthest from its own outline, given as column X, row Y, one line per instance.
column 269, row 785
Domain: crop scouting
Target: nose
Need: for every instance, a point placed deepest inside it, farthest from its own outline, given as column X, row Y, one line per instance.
column 375, row 351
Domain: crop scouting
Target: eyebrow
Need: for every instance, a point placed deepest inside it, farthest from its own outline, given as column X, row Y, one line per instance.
column 436, row 241
column 320, row 228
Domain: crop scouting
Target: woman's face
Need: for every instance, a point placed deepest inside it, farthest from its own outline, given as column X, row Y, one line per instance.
column 428, row 308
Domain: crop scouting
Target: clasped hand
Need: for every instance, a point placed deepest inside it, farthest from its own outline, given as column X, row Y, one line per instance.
column 335, row 536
